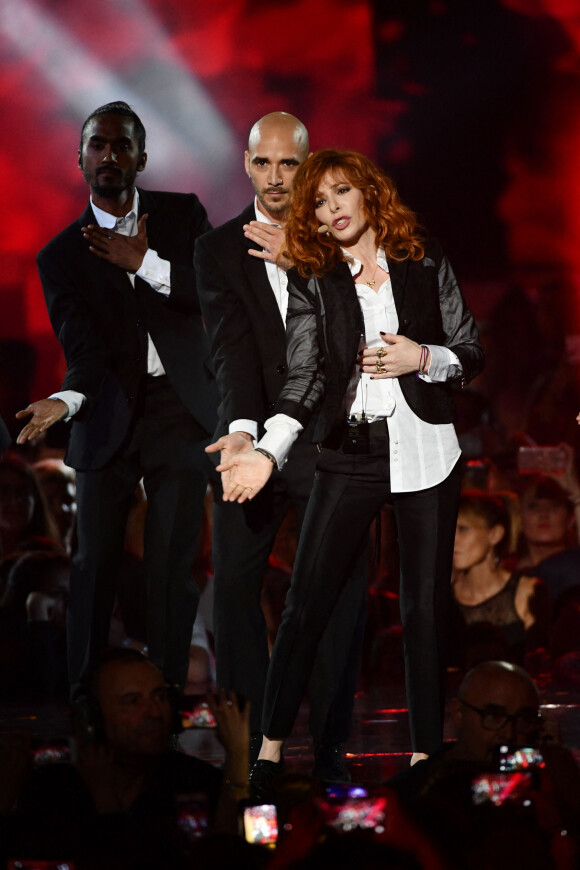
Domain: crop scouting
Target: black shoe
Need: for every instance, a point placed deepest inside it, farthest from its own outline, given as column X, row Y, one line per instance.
column 262, row 775
column 255, row 746
column 329, row 763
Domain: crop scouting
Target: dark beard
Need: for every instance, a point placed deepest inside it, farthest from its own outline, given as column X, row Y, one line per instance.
column 273, row 208
column 108, row 191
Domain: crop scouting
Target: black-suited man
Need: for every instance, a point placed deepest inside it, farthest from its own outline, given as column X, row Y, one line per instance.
column 243, row 297
column 120, row 289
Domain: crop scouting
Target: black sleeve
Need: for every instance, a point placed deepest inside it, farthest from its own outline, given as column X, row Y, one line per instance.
column 75, row 327
column 304, row 385
column 459, row 326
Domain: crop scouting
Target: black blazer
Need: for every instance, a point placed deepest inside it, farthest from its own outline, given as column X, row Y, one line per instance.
column 325, row 322
column 243, row 321
column 102, row 325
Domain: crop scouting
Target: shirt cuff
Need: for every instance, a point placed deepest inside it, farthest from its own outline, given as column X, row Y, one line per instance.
column 249, row 426
column 281, row 433
column 72, row 399
column 156, row 272
column 444, row 365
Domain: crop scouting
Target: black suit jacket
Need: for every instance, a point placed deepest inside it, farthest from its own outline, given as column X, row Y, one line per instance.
column 324, row 325
column 245, row 327
column 102, row 323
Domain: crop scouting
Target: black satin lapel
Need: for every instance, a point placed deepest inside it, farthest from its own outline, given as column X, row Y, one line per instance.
column 248, row 214
column 344, row 316
column 398, row 273
column 148, row 206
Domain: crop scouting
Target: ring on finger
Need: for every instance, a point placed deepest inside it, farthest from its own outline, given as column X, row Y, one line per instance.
column 380, row 367
column 381, row 352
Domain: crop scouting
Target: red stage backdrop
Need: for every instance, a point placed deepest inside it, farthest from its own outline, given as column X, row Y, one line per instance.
column 473, row 107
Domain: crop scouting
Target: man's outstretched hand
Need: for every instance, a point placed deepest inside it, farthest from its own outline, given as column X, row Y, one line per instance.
column 44, row 414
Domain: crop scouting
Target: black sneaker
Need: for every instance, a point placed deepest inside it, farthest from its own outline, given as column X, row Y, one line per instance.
column 262, row 776
column 329, row 763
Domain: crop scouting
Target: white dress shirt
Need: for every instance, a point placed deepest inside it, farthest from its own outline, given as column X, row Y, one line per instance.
column 421, row 454
column 153, row 269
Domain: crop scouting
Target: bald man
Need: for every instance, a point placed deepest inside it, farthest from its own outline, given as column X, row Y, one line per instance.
column 244, row 298
column 497, row 703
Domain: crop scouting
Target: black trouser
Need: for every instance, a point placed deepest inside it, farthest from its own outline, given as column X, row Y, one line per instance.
column 165, row 449
column 347, row 493
column 243, row 536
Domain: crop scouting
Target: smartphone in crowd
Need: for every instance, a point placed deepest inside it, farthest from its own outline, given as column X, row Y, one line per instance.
column 55, row 750
column 260, row 823
column 192, row 815
column 542, row 460
column 194, row 712
column 348, row 813
column 502, row 788
column 512, row 758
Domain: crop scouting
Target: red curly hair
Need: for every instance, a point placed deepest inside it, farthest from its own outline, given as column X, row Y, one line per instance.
column 395, row 226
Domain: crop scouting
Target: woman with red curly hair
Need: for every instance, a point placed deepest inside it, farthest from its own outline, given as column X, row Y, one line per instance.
column 377, row 334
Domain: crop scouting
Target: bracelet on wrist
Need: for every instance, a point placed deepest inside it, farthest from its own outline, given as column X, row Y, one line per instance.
column 267, row 454
column 423, row 367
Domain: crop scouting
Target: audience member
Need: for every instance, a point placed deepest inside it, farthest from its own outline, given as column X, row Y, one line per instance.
column 547, row 533
column 498, row 612
column 497, row 704
column 121, row 803
column 57, row 482
column 33, row 627
column 547, row 519
column 24, row 518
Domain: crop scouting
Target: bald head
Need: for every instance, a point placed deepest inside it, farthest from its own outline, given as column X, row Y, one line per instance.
column 277, row 145
column 508, row 695
column 280, row 124
column 492, row 679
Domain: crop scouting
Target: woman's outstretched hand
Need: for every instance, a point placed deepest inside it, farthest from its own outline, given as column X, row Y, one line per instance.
column 248, row 474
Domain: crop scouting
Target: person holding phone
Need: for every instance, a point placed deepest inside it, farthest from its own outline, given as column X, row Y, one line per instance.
column 128, row 796
column 377, row 333
column 497, row 705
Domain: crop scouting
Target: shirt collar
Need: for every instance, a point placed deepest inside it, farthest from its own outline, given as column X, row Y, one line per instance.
column 355, row 265
column 260, row 216
column 109, row 221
